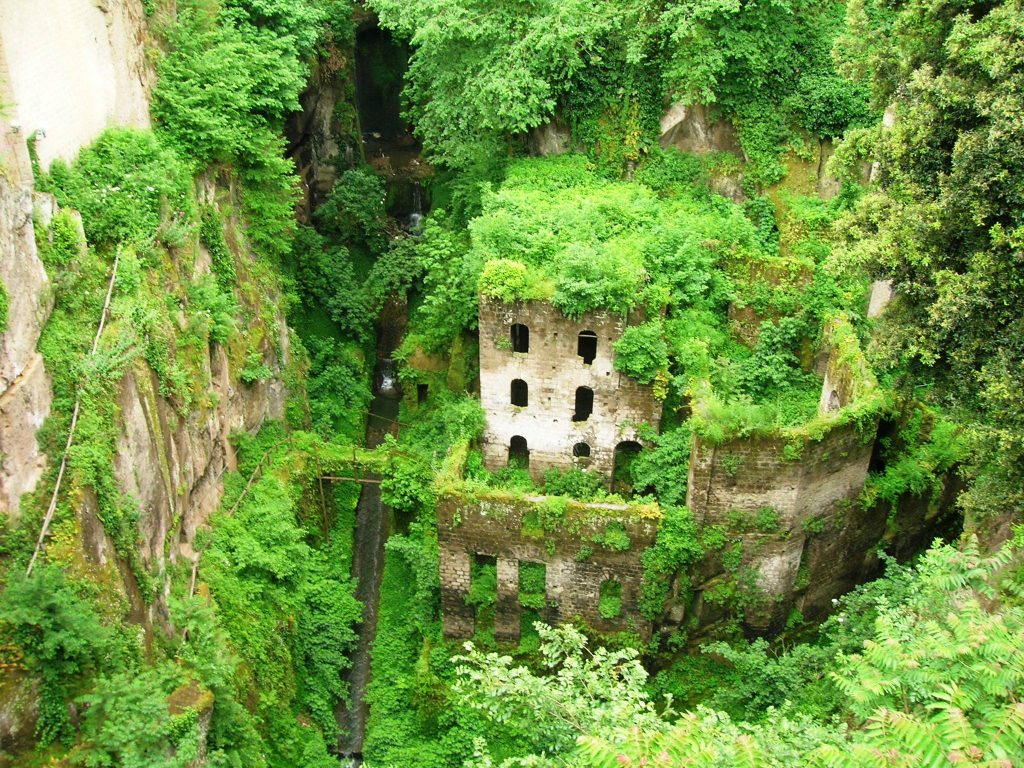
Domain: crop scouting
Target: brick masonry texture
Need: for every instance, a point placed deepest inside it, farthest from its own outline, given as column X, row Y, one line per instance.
column 803, row 534
column 553, row 371
column 493, row 527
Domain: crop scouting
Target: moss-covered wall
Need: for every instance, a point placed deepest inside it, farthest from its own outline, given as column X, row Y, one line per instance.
column 581, row 545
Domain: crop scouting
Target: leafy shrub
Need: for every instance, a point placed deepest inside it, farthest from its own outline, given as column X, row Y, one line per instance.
column 677, row 546
column 609, row 603
column 61, row 638
column 211, row 235
column 127, row 722
column 642, row 353
column 483, row 585
column 338, row 386
column 665, row 466
column 124, row 185
column 587, row 280
column 669, row 170
column 255, row 369
column 827, row 104
column 326, row 275
column 354, row 210
column 215, row 307
column 613, row 537
column 917, row 460
column 532, row 587
column 509, row 281
column 575, row 482
column 218, row 89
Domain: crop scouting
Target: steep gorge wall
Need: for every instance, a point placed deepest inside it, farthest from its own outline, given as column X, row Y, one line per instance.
column 24, row 385
column 74, row 68
column 68, row 69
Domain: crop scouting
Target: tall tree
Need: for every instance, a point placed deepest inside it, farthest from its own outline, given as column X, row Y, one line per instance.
column 945, row 222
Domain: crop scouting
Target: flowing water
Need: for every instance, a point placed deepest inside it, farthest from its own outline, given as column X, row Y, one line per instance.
column 372, row 518
column 414, row 223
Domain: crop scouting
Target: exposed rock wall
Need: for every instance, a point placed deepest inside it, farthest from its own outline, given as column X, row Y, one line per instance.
column 691, row 128
column 502, row 528
column 173, row 465
column 323, row 134
column 25, row 394
column 74, row 67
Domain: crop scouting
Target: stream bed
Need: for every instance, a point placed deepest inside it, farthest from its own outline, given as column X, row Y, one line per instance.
column 372, row 529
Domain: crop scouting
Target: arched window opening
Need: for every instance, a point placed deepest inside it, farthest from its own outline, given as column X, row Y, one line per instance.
column 586, row 346
column 609, row 601
column 520, row 338
column 584, row 405
column 581, row 454
column 520, row 393
column 518, row 453
column 622, row 476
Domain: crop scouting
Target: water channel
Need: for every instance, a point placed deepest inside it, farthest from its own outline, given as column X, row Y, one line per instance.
column 372, row 529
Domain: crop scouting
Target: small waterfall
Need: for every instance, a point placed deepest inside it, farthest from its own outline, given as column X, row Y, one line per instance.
column 414, row 224
column 372, row 530
column 387, row 380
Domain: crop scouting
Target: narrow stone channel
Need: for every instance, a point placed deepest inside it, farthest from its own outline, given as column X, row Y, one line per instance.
column 372, row 518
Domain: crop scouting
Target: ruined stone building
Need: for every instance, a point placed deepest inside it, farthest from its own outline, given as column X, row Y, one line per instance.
column 786, row 502
column 588, row 564
column 550, row 391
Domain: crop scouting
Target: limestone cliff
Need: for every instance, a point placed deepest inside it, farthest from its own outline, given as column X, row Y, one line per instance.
column 24, row 386
column 72, row 68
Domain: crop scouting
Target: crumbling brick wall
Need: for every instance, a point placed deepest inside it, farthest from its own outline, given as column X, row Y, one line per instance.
column 818, row 541
column 552, row 371
column 494, row 527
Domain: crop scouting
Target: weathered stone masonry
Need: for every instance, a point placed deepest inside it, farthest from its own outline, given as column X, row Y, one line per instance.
column 493, row 527
column 787, row 502
column 816, row 492
column 549, row 374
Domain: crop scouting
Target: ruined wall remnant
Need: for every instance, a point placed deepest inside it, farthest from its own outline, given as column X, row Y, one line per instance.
column 507, row 528
column 560, row 368
column 782, row 508
column 790, row 499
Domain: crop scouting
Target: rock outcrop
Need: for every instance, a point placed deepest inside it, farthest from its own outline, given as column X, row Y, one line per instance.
column 24, row 386
column 73, row 68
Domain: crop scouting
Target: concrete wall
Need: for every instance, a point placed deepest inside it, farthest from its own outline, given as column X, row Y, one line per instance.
column 553, row 372
column 74, row 67
column 494, row 527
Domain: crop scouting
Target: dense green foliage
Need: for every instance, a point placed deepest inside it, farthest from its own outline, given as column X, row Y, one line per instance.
column 481, row 73
column 726, row 305
column 267, row 688
column 944, row 220
column 673, row 253
column 926, row 682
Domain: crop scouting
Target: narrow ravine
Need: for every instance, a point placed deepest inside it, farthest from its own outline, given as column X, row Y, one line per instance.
column 372, row 528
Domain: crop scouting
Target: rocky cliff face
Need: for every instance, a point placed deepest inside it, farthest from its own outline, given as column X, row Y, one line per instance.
column 72, row 68
column 171, row 464
column 24, row 386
